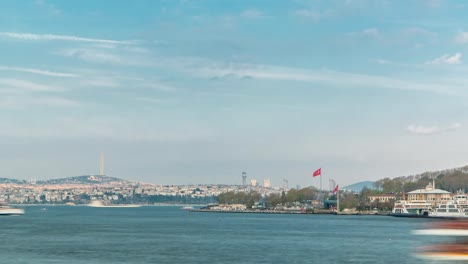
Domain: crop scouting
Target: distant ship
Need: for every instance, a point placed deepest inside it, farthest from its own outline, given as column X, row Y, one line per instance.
column 101, row 204
column 5, row 209
column 187, row 208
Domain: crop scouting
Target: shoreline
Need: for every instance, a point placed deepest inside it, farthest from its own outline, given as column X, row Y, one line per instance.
column 282, row 212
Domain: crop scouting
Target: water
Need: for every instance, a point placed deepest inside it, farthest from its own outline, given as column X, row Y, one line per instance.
column 81, row 234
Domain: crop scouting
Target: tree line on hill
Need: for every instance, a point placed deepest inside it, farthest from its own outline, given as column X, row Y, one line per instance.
column 452, row 181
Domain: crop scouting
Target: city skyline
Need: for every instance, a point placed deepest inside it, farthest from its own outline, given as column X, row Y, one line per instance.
column 186, row 92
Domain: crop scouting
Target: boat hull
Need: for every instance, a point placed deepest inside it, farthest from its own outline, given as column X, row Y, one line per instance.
column 12, row 211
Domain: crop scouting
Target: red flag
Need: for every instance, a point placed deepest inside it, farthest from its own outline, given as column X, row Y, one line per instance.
column 335, row 190
column 317, row 172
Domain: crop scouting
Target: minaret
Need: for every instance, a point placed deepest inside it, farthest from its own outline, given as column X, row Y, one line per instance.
column 101, row 168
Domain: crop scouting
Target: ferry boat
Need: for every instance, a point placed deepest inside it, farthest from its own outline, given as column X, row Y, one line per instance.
column 411, row 209
column 101, row 204
column 457, row 250
column 5, row 209
column 449, row 210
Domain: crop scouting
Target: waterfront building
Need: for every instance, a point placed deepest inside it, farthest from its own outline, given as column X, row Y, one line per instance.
column 429, row 194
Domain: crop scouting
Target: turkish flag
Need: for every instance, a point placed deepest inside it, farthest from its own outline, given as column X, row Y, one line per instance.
column 336, row 189
column 317, row 172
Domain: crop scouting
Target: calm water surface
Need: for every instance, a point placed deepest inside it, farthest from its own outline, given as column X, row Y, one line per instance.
column 81, row 234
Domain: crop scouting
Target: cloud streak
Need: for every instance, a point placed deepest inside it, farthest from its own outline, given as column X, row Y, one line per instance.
column 430, row 130
column 28, row 86
column 105, row 57
column 52, row 37
column 37, row 71
column 462, row 38
column 265, row 72
column 447, row 59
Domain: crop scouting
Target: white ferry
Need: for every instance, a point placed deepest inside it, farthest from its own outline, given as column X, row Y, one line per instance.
column 8, row 210
column 411, row 209
column 101, row 204
column 449, row 210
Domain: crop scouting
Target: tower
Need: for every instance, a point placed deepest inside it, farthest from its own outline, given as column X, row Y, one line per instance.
column 244, row 178
column 266, row 183
column 101, row 167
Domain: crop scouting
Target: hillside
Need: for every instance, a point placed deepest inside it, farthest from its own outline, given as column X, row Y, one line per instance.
column 452, row 180
column 84, row 179
column 14, row 181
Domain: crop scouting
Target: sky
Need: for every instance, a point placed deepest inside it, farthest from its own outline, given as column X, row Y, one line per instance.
column 187, row 92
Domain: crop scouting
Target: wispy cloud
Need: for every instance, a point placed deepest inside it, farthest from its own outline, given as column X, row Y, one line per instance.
column 447, row 59
column 366, row 34
column 103, row 128
column 462, row 38
column 107, row 57
column 429, row 130
column 51, row 37
column 252, row 14
column 50, row 7
column 309, row 14
column 382, row 61
column 250, row 71
column 28, row 101
column 417, row 32
column 28, row 86
column 37, row 71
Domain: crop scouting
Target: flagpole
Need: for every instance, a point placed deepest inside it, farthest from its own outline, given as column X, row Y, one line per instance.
column 338, row 200
column 321, row 180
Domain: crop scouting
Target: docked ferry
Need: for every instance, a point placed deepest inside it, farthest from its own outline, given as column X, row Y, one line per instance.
column 411, row 209
column 449, row 210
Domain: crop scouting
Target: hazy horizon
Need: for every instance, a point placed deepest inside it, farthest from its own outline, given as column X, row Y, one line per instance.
column 180, row 92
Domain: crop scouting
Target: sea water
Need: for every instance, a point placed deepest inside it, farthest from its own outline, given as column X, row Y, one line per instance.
column 152, row 234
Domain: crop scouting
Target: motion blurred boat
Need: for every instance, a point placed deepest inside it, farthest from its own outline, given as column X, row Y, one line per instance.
column 101, row 204
column 5, row 209
column 457, row 250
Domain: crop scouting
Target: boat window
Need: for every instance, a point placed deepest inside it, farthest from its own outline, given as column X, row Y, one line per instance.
column 453, row 210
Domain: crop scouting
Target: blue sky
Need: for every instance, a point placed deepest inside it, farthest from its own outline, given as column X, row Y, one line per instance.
column 180, row 92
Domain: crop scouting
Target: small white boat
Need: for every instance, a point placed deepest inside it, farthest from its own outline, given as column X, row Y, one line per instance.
column 101, row 204
column 8, row 210
column 187, row 208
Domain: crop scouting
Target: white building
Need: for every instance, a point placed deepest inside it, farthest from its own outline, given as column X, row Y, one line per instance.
column 430, row 195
